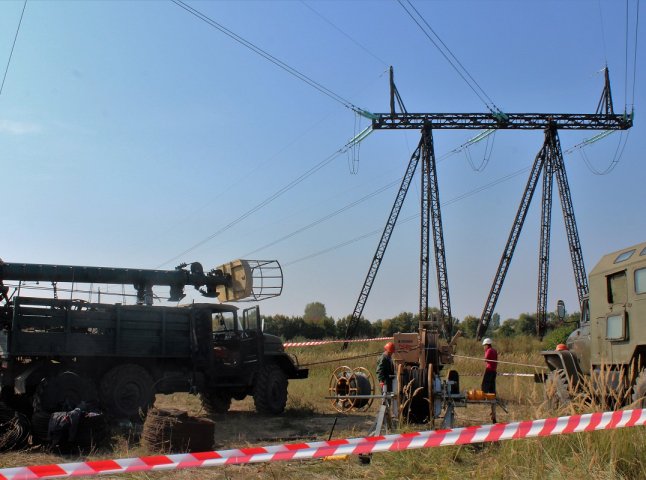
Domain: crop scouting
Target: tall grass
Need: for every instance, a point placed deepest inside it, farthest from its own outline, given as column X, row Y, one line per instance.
column 597, row 455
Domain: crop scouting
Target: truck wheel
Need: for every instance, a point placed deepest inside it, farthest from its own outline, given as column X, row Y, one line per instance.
column 556, row 389
column 215, row 402
column 270, row 390
column 64, row 392
column 127, row 392
column 639, row 390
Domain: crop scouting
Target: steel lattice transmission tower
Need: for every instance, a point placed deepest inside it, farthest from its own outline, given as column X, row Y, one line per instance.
column 548, row 162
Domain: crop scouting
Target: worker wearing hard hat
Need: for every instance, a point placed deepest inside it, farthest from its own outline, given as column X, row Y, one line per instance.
column 491, row 357
column 386, row 368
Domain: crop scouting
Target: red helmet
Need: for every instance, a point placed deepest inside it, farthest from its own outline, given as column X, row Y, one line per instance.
column 389, row 347
column 561, row 346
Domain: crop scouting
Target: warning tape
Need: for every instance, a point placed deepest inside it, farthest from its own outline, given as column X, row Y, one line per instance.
column 325, row 342
column 352, row 446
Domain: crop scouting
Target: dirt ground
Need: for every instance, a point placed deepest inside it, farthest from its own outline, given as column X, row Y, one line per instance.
column 242, row 426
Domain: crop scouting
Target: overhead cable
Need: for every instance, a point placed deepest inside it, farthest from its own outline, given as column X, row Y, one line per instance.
column 262, row 204
column 626, row 64
column 619, row 151
column 269, row 199
column 451, row 58
column 349, row 37
column 279, row 63
column 13, row 45
column 361, row 136
column 603, row 34
column 408, row 219
column 326, row 217
column 632, row 102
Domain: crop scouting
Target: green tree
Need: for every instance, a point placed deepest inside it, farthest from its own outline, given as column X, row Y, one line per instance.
column 495, row 321
column 404, row 322
column 363, row 329
column 526, row 324
column 469, row 326
column 315, row 313
column 507, row 328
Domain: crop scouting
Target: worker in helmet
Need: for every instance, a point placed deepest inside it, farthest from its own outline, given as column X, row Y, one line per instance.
column 491, row 363
column 386, row 368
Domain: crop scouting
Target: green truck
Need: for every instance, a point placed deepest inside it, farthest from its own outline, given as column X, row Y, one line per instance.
column 606, row 354
column 56, row 353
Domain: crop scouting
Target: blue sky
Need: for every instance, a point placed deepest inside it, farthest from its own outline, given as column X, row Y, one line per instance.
column 131, row 131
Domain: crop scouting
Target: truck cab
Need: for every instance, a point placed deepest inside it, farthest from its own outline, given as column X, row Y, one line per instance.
column 609, row 346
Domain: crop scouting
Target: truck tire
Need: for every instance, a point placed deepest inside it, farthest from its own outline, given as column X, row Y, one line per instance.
column 127, row 392
column 215, row 402
column 64, row 392
column 270, row 390
column 557, row 393
column 639, row 390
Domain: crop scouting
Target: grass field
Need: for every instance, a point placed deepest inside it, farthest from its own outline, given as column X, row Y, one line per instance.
column 598, row 455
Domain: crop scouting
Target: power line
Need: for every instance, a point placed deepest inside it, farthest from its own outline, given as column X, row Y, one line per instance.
column 603, row 34
column 328, row 21
column 410, row 218
column 264, row 203
column 468, row 143
column 619, row 151
column 632, row 102
column 325, row 218
column 266, row 55
column 490, row 104
column 6, row 70
column 626, row 65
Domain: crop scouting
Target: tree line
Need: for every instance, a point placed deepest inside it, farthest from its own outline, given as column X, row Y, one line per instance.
column 315, row 325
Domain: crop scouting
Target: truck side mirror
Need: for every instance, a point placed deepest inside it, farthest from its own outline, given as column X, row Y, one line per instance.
column 560, row 310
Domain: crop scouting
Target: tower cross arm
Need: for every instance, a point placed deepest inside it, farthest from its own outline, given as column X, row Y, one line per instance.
column 502, row 121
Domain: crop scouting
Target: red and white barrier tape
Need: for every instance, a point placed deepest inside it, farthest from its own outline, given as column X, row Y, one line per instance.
column 325, row 342
column 352, row 446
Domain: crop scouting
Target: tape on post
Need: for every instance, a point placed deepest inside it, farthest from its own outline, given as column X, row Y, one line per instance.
column 351, row 446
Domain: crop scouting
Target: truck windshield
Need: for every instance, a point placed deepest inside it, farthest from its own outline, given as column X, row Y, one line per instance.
column 225, row 321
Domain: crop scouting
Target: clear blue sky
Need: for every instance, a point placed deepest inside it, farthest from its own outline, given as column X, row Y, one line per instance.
column 131, row 131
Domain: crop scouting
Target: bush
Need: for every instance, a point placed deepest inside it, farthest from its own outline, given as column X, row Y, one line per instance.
column 558, row 335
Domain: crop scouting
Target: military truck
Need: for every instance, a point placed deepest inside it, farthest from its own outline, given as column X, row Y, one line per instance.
column 606, row 354
column 56, row 353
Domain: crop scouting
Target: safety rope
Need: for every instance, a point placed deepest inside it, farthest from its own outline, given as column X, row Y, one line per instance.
column 500, row 361
column 337, row 360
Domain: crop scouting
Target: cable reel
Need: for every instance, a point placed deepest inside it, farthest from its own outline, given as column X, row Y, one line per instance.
column 347, row 382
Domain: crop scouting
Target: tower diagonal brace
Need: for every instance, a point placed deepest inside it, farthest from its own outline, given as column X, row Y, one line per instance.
column 431, row 204
column 514, row 234
column 574, row 243
column 544, row 249
column 383, row 243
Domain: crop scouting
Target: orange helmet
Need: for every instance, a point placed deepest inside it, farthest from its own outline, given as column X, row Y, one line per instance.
column 561, row 346
column 389, row 347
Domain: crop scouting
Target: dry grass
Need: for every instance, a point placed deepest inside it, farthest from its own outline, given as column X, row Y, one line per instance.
column 597, row 455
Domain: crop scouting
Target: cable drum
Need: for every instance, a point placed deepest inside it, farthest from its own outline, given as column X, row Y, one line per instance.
column 348, row 382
